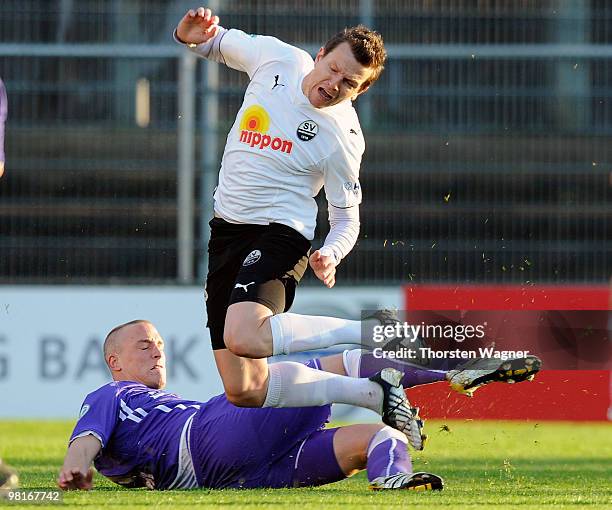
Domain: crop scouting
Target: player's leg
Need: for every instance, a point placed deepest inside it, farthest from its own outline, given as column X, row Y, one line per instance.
column 360, row 363
column 384, row 452
column 245, row 380
column 253, row 332
column 348, row 364
column 265, row 284
column 320, row 386
column 257, row 323
column 466, row 379
column 332, row 454
column 254, row 383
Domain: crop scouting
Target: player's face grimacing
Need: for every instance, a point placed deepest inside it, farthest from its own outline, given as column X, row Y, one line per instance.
column 335, row 77
column 139, row 356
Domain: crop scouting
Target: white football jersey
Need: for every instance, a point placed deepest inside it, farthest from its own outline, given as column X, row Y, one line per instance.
column 281, row 150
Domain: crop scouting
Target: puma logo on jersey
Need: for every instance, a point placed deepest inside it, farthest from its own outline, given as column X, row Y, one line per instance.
column 243, row 287
column 352, row 131
column 252, row 257
column 276, row 84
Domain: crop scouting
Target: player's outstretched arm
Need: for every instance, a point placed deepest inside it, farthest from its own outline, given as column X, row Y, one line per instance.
column 77, row 473
column 197, row 26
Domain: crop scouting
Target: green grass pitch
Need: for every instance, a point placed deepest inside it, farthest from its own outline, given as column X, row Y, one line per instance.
column 485, row 465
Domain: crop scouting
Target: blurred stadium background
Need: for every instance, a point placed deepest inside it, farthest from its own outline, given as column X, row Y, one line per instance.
column 488, row 162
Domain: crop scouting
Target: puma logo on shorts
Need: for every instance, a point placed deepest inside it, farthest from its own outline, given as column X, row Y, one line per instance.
column 243, row 287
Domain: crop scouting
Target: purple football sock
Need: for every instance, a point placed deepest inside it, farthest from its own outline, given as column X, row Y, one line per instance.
column 313, row 363
column 413, row 376
column 388, row 458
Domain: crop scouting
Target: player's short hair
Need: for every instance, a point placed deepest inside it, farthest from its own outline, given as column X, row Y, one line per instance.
column 109, row 343
column 367, row 46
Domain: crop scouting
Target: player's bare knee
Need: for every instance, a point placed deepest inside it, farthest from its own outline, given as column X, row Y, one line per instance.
column 248, row 390
column 236, row 344
column 250, row 397
column 243, row 345
column 247, row 330
column 243, row 399
column 238, row 339
column 245, row 340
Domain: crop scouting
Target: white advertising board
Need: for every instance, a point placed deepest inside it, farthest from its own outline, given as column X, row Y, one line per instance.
column 51, row 340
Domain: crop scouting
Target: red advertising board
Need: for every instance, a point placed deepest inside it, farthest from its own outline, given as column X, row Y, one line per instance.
column 553, row 395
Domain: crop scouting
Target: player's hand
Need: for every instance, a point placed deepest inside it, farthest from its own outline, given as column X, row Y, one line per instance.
column 324, row 266
column 197, row 26
column 75, row 478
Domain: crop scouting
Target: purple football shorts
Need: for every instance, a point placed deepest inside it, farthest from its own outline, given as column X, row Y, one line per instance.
column 262, row 447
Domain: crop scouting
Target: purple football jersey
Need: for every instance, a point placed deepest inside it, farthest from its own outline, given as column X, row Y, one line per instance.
column 3, row 115
column 151, row 438
column 144, row 434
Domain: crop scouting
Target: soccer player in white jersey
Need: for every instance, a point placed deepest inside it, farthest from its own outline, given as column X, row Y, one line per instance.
column 295, row 133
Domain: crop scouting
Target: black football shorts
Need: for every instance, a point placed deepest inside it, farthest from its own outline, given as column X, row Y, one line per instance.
column 258, row 263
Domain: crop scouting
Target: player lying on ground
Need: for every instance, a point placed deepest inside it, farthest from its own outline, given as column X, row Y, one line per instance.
column 139, row 435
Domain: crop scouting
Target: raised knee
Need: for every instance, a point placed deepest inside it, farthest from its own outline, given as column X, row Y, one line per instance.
column 238, row 343
column 247, row 339
column 239, row 399
column 248, row 388
column 246, row 398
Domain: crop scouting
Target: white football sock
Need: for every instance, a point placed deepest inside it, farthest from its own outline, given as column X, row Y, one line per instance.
column 351, row 359
column 383, row 435
column 297, row 333
column 292, row 384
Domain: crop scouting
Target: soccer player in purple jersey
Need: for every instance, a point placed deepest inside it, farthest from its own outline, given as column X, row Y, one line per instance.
column 3, row 115
column 8, row 476
column 141, row 436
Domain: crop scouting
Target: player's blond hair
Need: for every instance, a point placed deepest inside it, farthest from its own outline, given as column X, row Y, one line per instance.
column 367, row 46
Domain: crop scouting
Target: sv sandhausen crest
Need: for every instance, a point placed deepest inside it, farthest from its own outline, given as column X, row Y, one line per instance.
column 252, row 257
column 307, row 130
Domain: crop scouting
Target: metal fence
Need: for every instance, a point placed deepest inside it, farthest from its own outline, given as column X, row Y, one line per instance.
column 488, row 139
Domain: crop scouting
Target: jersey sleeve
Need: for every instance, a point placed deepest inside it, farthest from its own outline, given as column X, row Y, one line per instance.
column 341, row 177
column 98, row 415
column 241, row 51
